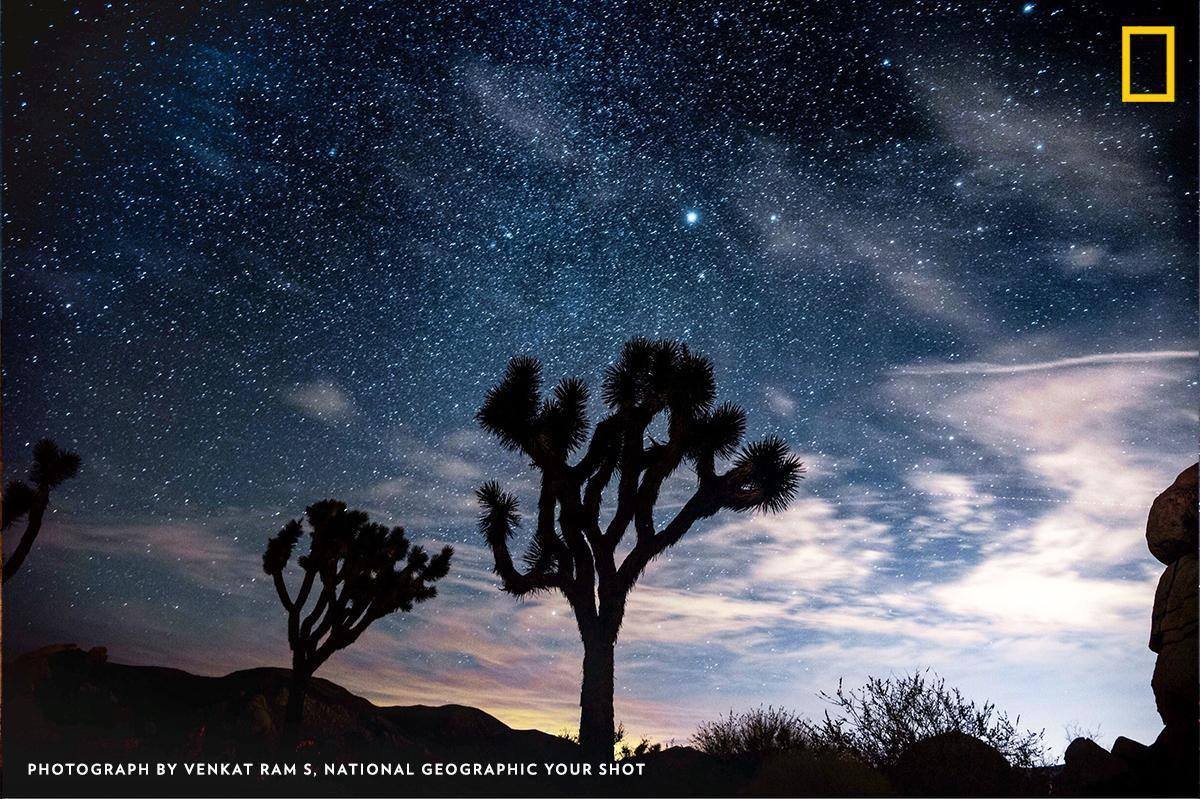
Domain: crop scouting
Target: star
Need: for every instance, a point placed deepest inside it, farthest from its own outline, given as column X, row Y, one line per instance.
column 691, row 217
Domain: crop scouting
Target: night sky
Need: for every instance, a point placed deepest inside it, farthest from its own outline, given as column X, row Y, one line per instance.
column 257, row 256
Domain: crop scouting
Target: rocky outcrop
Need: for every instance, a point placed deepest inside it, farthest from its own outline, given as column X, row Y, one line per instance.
column 1169, row 766
column 1091, row 770
column 1172, row 536
column 1173, row 637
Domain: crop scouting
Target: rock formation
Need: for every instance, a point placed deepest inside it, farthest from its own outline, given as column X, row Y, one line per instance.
column 1171, row 534
column 1169, row 766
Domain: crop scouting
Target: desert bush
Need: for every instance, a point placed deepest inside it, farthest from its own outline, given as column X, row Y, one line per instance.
column 642, row 747
column 1074, row 729
column 879, row 721
column 757, row 733
column 572, row 736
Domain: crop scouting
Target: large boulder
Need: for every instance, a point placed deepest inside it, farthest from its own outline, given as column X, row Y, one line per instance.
column 953, row 764
column 1091, row 770
column 1135, row 754
column 1171, row 530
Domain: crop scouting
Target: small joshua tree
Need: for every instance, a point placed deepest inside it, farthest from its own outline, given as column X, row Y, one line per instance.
column 362, row 571
column 570, row 551
column 52, row 467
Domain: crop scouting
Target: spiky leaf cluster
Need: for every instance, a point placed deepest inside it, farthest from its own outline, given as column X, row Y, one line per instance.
column 657, row 375
column 361, row 571
column 765, row 476
column 52, row 465
column 569, row 549
column 521, row 419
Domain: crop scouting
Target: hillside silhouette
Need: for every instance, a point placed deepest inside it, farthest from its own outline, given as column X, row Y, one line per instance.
column 72, row 705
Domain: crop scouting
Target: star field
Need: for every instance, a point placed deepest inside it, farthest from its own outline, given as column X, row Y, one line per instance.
column 258, row 256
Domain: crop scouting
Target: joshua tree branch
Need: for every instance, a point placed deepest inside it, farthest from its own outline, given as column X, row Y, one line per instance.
column 632, row 463
column 305, row 588
column 516, row 582
column 322, row 603
column 333, row 617
column 593, row 494
column 281, row 589
column 647, row 549
column 51, row 467
column 605, row 439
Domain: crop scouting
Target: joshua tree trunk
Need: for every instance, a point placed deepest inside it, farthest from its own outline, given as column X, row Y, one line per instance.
column 297, row 690
column 596, row 724
column 33, row 525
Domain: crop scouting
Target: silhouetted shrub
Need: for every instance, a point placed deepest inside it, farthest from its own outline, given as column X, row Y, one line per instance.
column 756, row 733
column 874, row 724
column 885, row 717
column 642, row 747
column 624, row 751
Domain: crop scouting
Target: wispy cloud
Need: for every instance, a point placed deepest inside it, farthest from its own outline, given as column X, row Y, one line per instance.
column 1090, row 177
column 190, row 549
column 320, row 400
column 985, row 368
column 805, row 219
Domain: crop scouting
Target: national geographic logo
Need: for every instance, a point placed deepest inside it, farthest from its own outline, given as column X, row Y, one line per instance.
column 1148, row 63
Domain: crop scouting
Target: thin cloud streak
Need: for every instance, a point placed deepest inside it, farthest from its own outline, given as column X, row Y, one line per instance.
column 985, row 368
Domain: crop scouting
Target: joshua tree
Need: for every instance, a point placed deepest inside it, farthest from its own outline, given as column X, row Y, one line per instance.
column 570, row 551
column 51, row 468
column 362, row 571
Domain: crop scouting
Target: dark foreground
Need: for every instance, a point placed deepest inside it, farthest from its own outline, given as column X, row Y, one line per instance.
column 64, row 705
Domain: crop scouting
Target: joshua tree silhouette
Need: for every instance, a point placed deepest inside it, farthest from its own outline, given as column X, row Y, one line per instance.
column 355, row 562
column 51, row 468
column 577, row 556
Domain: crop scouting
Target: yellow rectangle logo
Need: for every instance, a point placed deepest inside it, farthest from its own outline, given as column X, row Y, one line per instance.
column 1127, row 34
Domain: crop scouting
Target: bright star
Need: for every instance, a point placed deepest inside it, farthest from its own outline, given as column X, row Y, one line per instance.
column 691, row 217
column 1028, row 9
